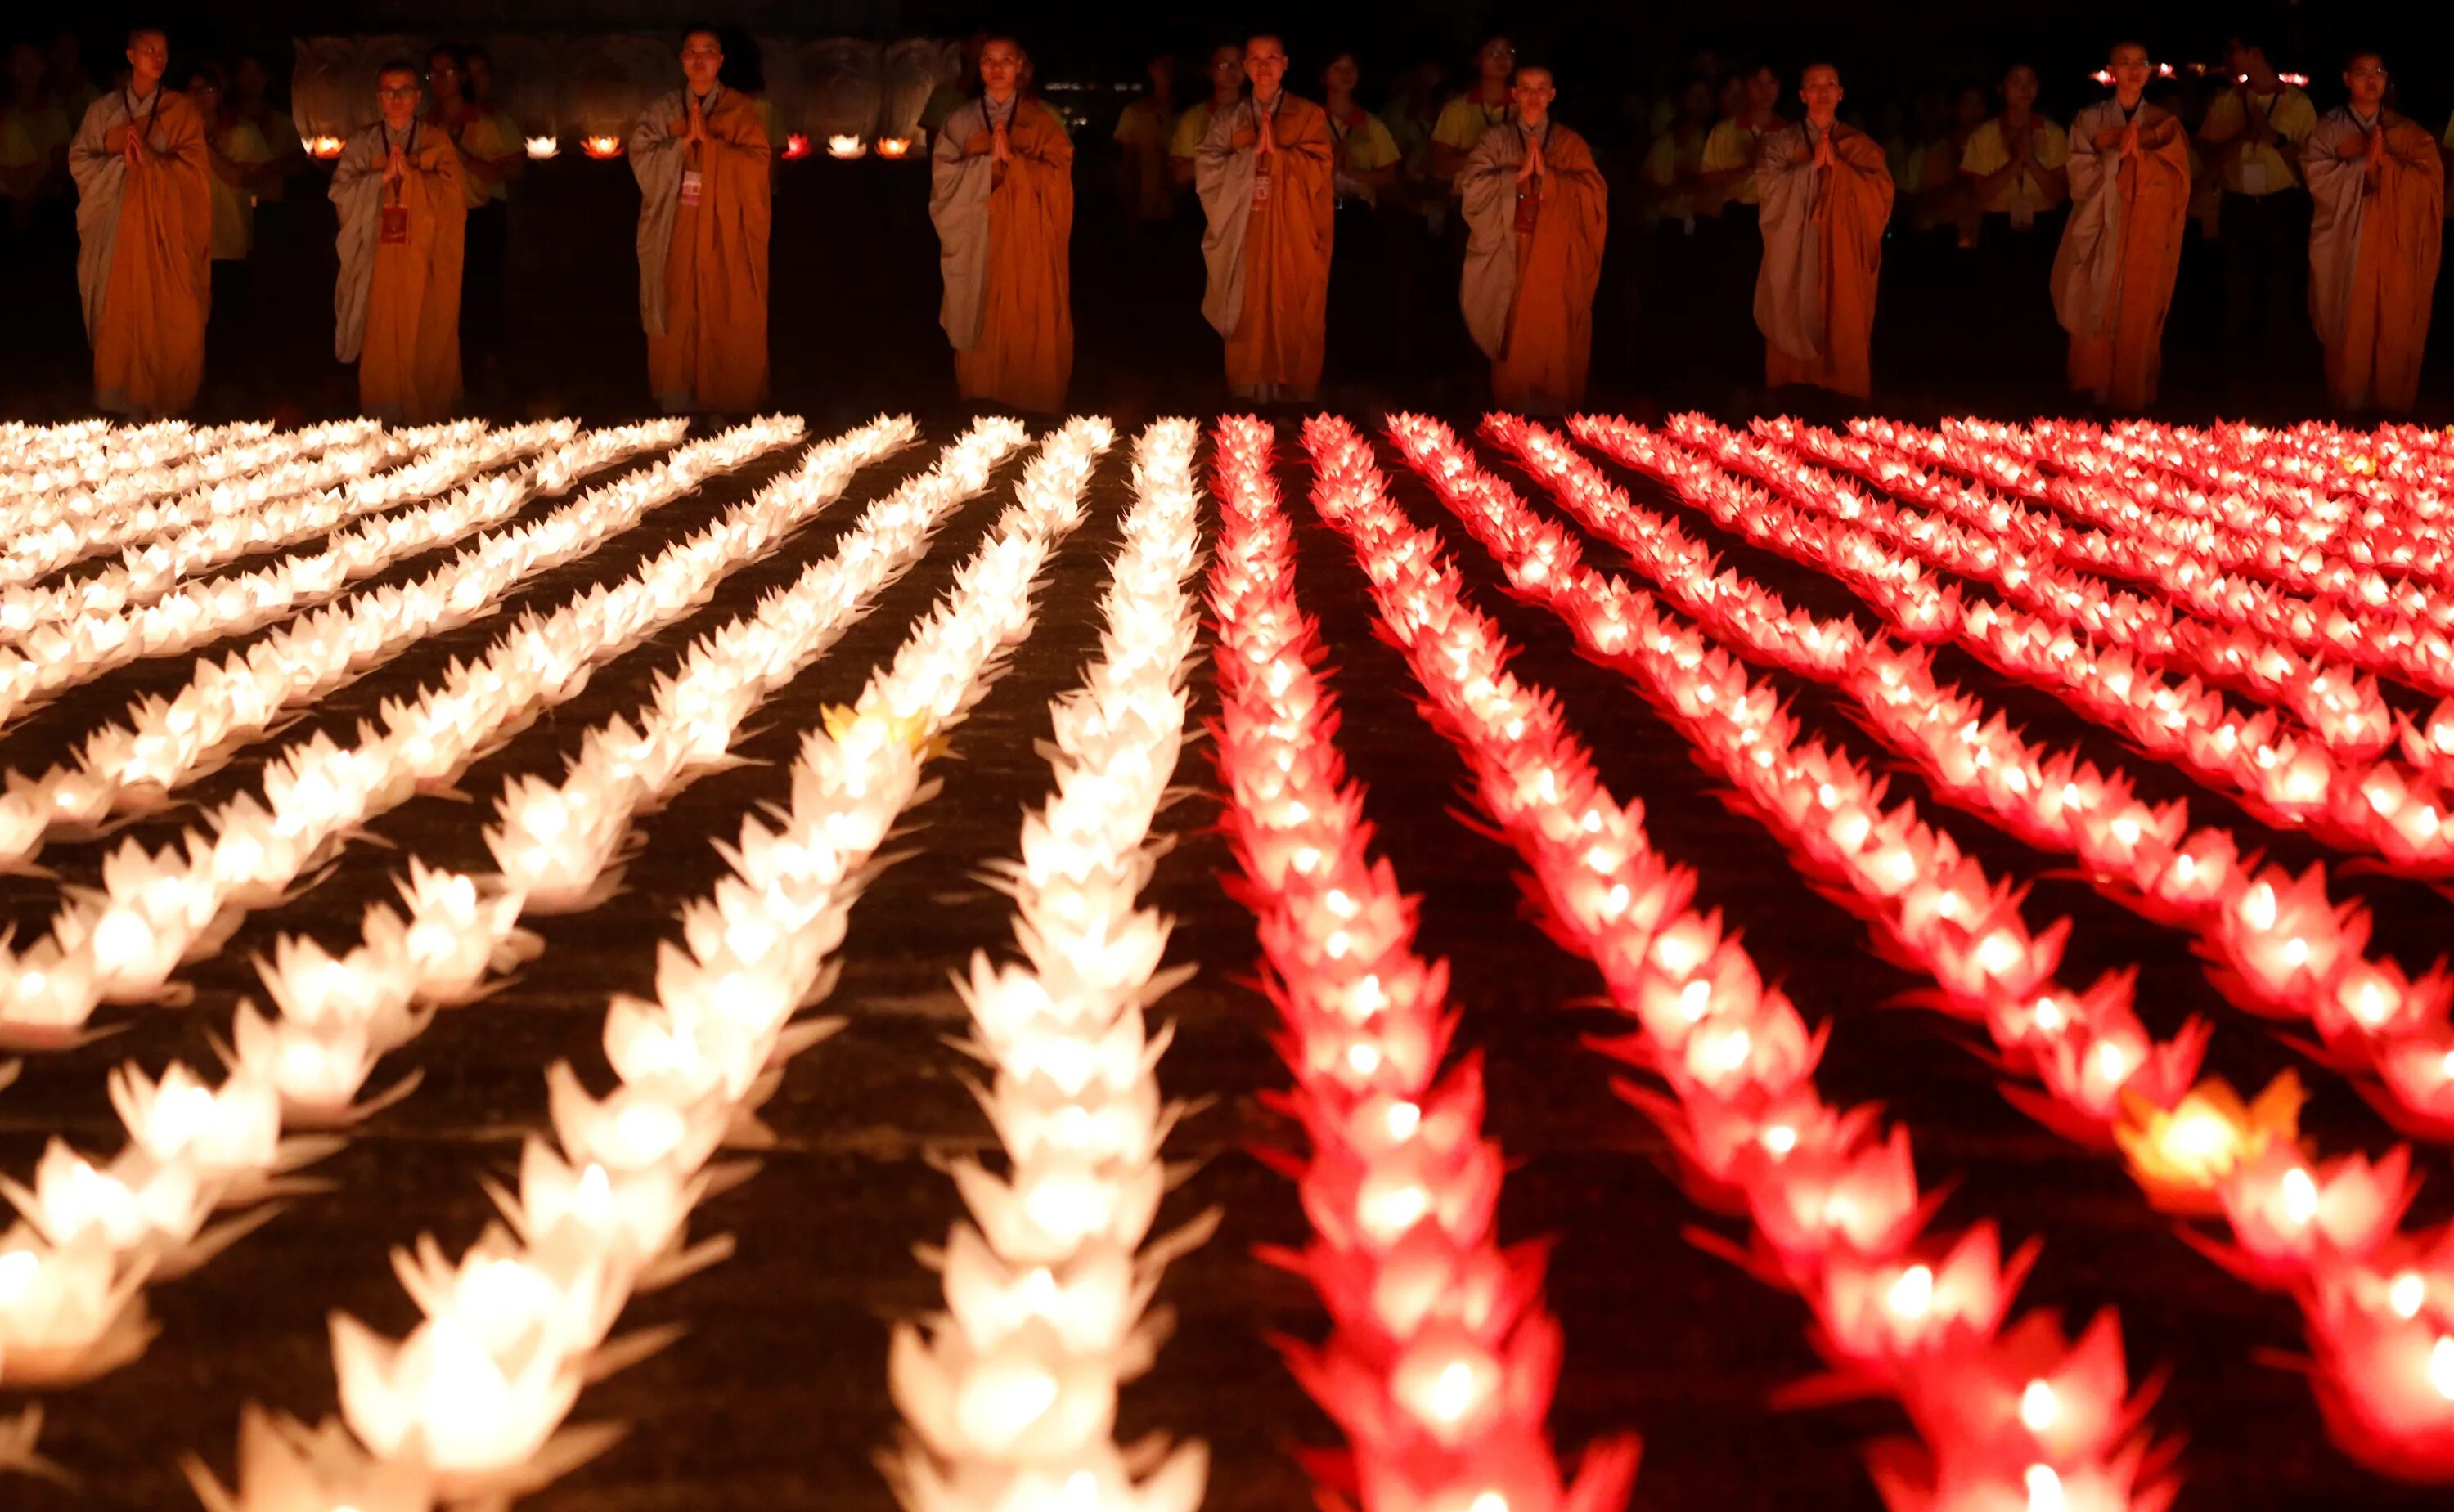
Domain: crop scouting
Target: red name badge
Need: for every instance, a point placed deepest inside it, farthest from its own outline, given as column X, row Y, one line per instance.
column 1260, row 185
column 1529, row 210
column 690, row 185
column 395, row 224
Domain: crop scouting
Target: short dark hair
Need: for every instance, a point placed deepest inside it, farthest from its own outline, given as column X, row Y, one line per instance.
column 399, row 66
column 710, row 27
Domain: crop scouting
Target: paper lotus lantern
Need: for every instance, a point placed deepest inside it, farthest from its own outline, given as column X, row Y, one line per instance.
column 326, row 148
column 602, row 145
column 844, row 145
column 893, row 147
column 796, row 146
column 542, row 148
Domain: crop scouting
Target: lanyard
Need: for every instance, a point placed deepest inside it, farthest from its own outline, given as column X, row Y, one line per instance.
column 128, row 103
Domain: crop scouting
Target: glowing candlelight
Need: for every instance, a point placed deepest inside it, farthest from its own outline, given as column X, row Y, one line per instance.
column 542, row 148
column 796, row 146
column 439, row 1398
column 845, row 145
column 324, row 147
column 2182, row 1155
column 894, row 146
column 602, row 145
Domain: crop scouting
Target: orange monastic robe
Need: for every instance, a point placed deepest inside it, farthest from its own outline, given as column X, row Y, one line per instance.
column 1005, row 236
column 1268, row 244
column 2374, row 245
column 703, row 214
column 1528, row 294
column 1824, row 253
column 2113, row 273
column 144, row 264
column 396, row 305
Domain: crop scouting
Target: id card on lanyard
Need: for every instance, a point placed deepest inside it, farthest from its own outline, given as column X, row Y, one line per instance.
column 393, row 226
column 692, row 184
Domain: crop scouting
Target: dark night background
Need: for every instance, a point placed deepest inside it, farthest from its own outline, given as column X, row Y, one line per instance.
column 775, row 1397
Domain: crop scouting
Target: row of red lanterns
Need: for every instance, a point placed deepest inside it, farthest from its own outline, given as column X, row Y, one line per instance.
column 2378, row 1302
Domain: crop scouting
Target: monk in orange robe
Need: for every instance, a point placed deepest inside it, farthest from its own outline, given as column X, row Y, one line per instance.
column 1535, row 209
column 701, row 157
column 1826, row 193
column 396, row 306
column 1265, row 172
column 1002, row 194
column 2121, row 246
column 2379, row 192
column 145, row 224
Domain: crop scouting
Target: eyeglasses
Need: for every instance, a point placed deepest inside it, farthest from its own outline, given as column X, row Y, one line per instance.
column 399, row 92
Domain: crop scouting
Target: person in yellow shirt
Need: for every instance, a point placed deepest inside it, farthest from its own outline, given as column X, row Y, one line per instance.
column 955, row 93
column 75, row 92
column 1466, row 118
column 2017, row 160
column 2015, row 172
column 1674, row 164
column 1363, row 167
column 238, row 152
column 34, row 130
column 249, row 99
column 1226, row 90
column 1730, row 246
column 1144, row 130
column 492, row 153
column 1669, row 184
column 240, row 160
column 2252, row 134
column 1726, row 176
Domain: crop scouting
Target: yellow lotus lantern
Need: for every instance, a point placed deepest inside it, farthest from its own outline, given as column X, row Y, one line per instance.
column 2181, row 1155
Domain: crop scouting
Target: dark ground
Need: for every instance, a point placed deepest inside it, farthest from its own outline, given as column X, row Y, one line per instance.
column 775, row 1397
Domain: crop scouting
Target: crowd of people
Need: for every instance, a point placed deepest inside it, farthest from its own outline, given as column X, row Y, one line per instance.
column 1327, row 231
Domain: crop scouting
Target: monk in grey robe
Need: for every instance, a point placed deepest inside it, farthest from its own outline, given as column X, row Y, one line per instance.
column 1535, row 209
column 2378, row 188
column 404, row 209
column 145, row 221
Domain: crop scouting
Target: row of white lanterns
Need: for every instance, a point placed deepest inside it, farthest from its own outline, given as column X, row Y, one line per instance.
column 55, row 656
column 160, row 742
column 153, row 909
column 48, row 532
column 1011, row 1394
column 145, row 572
column 122, row 472
column 472, row 1402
